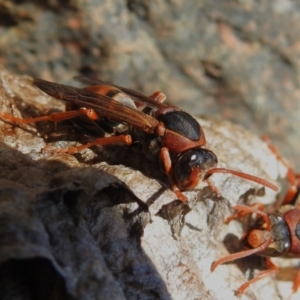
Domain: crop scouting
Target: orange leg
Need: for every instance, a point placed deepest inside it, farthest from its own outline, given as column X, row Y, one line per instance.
column 245, row 210
column 272, row 269
column 157, row 96
column 124, row 139
column 165, row 158
column 212, row 187
column 55, row 117
column 294, row 179
column 296, row 282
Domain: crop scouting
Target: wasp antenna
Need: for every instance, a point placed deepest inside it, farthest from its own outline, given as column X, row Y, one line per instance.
column 243, row 175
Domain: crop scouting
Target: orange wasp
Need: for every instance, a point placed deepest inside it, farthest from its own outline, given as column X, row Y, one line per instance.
column 165, row 133
column 274, row 234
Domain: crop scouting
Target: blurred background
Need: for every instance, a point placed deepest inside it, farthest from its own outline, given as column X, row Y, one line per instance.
column 237, row 60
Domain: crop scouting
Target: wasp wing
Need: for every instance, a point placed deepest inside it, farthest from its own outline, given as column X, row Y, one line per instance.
column 136, row 96
column 103, row 105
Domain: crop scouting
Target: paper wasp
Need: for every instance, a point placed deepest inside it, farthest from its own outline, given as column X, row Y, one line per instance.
column 165, row 133
column 273, row 234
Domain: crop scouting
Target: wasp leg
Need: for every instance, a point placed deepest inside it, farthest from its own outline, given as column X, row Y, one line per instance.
column 120, row 139
column 242, row 211
column 296, row 282
column 54, row 117
column 212, row 187
column 292, row 177
column 160, row 97
column 165, row 158
column 272, row 269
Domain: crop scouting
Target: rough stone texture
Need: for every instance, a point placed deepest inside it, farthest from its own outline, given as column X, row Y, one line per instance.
column 235, row 59
column 99, row 225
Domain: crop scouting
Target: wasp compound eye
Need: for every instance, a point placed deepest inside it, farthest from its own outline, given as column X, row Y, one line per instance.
column 191, row 164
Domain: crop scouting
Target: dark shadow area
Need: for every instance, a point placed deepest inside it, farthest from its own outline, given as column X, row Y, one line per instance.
column 32, row 278
column 78, row 235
